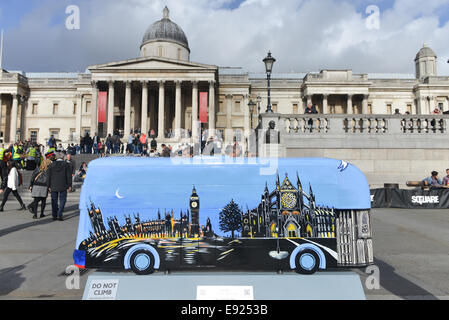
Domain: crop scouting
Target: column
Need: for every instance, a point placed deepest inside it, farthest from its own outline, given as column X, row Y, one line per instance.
column 349, row 108
column 127, row 109
column 365, row 110
column 211, row 108
column 325, row 104
column 309, row 100
column 161, row 120
column 79, row 109
column 178, row 110
column 246, row 112
column 421, row 105
column 152, row 113
column 94, row 110
column 195, row 120
column 144, row 113
column 432, row 104
column 23, row 106
column 111, row 101
column 13, row 131
column 246, row 134
column 229, row 111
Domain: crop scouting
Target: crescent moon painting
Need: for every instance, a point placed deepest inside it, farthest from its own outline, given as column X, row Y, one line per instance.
column 118, row 195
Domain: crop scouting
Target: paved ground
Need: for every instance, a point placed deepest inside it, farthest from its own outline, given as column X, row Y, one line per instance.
column 411, row 251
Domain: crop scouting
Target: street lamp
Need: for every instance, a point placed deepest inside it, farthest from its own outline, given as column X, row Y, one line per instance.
column 251, row 106
column 269, row 62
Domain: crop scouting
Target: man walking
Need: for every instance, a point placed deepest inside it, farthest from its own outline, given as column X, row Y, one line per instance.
column 59, row 181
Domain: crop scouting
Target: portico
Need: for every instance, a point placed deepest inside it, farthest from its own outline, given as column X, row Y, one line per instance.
column 154, row 94
column 13, row 103
column 337, row 92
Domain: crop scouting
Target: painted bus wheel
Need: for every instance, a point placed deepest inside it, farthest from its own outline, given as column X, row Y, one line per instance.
column 142, row 262
column 307, row 262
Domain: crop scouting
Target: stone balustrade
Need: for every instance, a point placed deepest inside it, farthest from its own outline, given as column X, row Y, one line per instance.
column 363, row 124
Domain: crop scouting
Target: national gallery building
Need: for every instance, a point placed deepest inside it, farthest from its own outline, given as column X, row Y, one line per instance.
column 164, row 91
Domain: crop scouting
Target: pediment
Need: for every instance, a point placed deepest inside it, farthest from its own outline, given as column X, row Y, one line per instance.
column 152, row 64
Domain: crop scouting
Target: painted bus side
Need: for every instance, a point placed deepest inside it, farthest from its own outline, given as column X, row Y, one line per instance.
column 155, row 214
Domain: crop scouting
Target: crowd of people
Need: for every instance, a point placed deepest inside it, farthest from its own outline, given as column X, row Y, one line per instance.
column 146, row 145
column 53, row 173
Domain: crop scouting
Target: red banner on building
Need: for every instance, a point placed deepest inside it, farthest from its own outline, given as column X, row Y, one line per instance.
column 204, row 106
column 102, row 106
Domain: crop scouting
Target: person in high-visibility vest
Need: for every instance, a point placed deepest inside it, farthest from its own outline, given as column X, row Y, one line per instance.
column 31, row 159
column 3, row 170
column 16, row 155
column 2, row 152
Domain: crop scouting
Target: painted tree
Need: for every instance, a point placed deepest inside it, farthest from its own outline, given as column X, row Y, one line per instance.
column 231, row 218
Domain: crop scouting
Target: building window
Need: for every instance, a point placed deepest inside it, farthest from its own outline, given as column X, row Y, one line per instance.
column 55, row 108
column 409, row 108
column 74, row 108
column 238, row 135
column 275, row 107
column 72, row 134
column 220, row 134
column 440, row 106
column 34, row 108
column 54, row 133
column 85, row 131
column 88, row 103
column 33, row 136
column 295, row 108
column 389, row 108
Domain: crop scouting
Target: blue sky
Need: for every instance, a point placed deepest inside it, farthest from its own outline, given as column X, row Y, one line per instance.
column 304, row 35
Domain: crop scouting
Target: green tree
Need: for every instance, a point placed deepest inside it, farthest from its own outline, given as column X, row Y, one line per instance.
column 231, row 218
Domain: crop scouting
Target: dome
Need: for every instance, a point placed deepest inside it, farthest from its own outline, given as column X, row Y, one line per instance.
column 165, row 30
column 425, row 52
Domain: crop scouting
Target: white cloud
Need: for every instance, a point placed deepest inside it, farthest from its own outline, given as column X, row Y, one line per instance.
column 304, row 35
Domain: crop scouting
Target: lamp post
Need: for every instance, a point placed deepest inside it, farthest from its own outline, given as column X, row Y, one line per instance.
column 269, row 62
column 251, row 106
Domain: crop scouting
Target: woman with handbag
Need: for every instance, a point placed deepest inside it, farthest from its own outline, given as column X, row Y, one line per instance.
column 39, row 188
column 14, row 182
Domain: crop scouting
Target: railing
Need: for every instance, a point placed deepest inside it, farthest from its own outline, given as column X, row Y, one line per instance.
column 363, row 124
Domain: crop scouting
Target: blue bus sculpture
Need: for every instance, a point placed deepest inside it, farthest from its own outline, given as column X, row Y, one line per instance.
column 229, row 214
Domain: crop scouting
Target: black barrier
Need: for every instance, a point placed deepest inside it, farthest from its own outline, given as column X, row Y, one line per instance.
column 378, row 198
column 410, row 199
